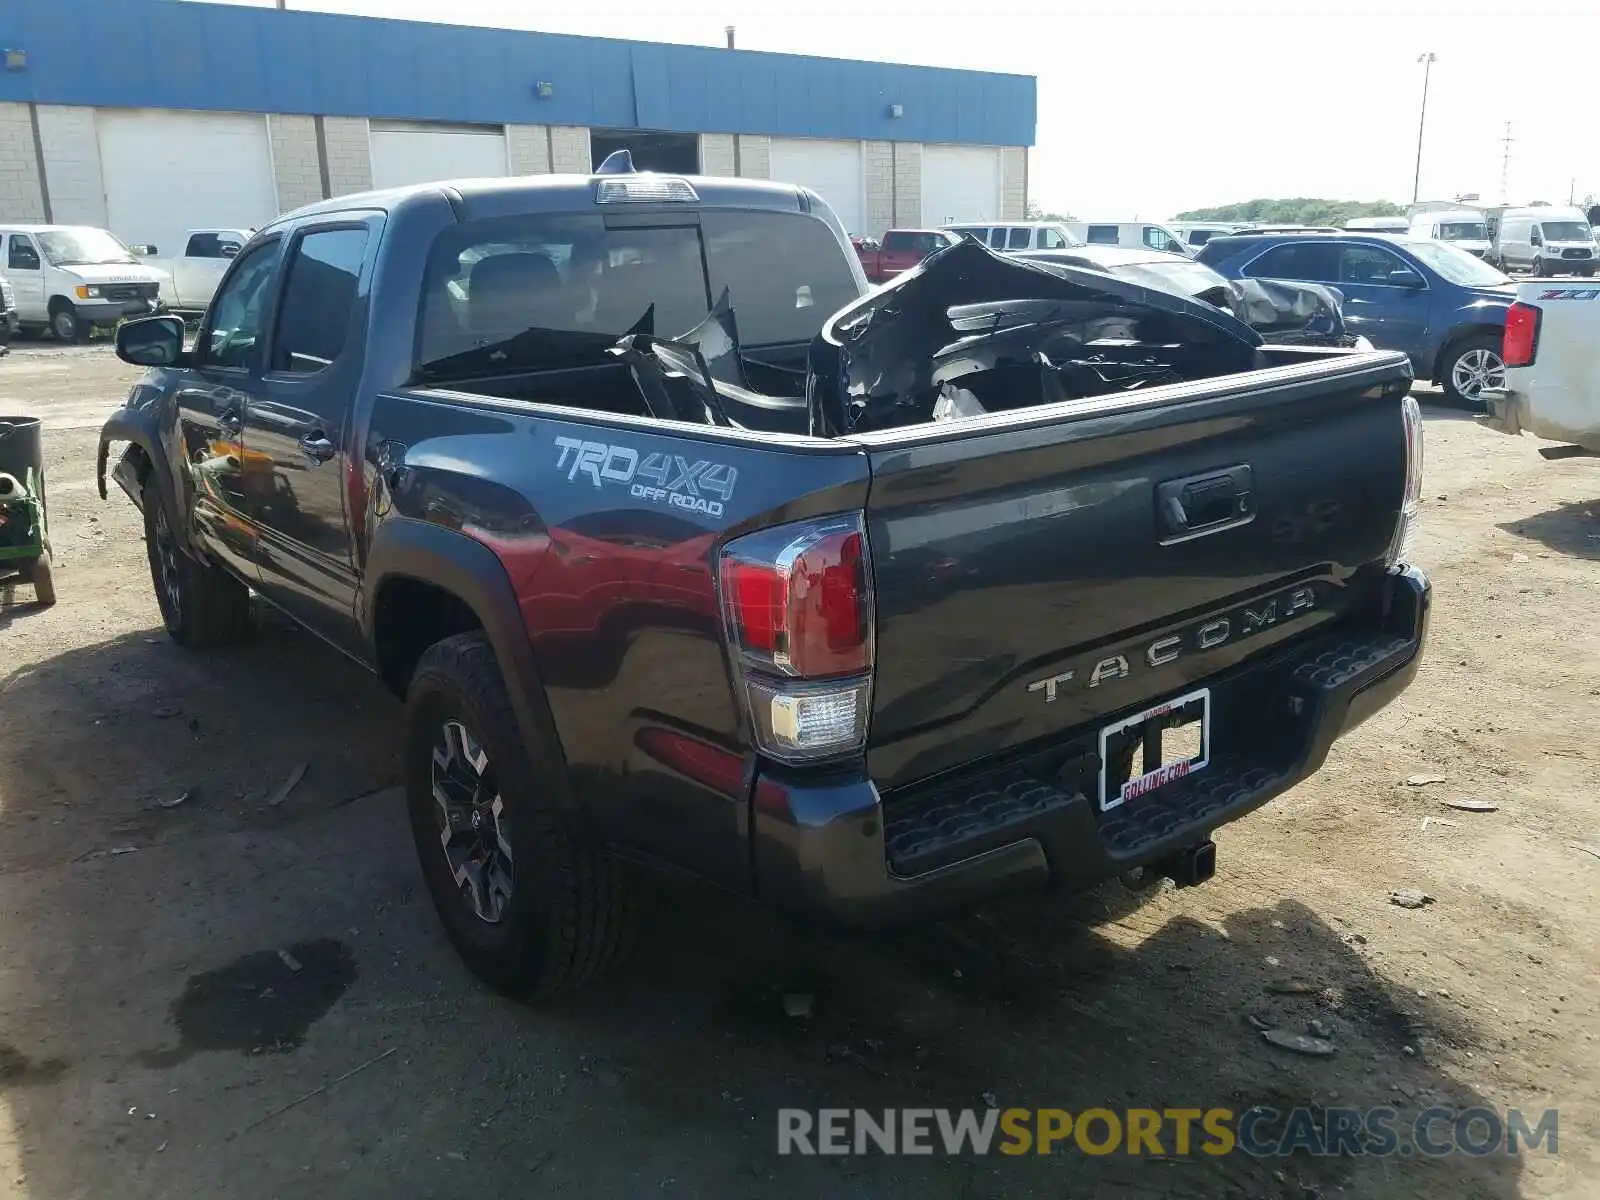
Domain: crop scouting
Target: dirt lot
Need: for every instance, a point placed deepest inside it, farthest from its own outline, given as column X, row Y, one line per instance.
column 153, row 1041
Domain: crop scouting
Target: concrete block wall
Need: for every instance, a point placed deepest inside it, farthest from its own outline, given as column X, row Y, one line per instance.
column 1013, row 183
column 755, row 156
column 348, row 143
column 528, row 149
column 296, row 164
column 72, row 165
column 717, row 154
column 21, row 195
column 907, row 183
column 569, row 150
column 877, row 161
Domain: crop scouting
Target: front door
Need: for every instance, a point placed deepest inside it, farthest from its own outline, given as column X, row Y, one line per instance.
column 298, row 431
column 25, row 269
column 1377, row 306
column 212, row 401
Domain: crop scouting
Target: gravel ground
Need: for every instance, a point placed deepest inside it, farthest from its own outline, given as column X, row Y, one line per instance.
column 155, row 1042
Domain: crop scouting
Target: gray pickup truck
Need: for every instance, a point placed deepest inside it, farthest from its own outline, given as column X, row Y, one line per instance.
column 685, row 549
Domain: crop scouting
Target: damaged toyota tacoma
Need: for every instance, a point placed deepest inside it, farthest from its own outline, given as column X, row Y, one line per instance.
column 685, row 550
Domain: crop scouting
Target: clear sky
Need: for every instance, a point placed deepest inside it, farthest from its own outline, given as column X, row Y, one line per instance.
column 1149, row 107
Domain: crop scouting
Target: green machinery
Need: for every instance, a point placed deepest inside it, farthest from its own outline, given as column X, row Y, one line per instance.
column 24, row 533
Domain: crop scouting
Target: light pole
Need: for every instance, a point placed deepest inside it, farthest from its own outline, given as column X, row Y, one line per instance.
column 1427, row 60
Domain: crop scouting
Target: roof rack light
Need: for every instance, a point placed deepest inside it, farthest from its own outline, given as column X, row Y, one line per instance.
column 644, row 189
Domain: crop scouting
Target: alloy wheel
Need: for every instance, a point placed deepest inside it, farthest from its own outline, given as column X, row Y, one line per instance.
column 171, row 582
column 1476, row 371
column 474, row 832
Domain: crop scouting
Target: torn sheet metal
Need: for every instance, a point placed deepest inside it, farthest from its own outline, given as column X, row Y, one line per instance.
column 1283, row 311
column 1009, row 334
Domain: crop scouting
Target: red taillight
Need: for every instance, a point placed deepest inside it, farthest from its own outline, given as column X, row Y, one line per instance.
column 1522, row 335
column 797, row 603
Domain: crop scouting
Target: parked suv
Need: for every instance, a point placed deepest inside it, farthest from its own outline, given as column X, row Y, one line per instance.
column 1441, row 306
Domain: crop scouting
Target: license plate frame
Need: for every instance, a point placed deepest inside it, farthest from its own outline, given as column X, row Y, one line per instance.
column 1149, row 780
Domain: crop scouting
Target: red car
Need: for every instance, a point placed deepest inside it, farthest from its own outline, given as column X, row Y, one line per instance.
column 900, row 250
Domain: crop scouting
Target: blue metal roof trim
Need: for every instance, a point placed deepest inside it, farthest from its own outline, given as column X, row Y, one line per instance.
column 180, row 54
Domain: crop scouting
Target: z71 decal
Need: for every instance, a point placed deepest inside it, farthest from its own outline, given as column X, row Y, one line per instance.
column 1588, row 293
column 658, row 478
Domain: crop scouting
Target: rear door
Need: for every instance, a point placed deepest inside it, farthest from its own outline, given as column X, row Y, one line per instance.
column 1030, row 580
column 298, row 428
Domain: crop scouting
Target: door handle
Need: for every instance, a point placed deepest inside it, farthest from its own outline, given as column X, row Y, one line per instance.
column 317, row 447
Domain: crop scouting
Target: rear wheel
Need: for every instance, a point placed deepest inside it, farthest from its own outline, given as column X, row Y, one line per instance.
column 39, row 574
column 530, row 901
column 201, row 604
column 1474, row 366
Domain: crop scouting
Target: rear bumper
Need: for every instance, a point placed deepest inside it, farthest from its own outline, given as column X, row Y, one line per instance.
column 835, row 850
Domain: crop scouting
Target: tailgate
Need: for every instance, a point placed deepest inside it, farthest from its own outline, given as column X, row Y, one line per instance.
column 1048, row 568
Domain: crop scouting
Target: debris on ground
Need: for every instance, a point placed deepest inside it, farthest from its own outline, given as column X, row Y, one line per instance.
column 1472, row 805
column 290, row 961
column 1519, row 557
column 1318, row 1029
column 1586, row 848
column 1299, row 1043
column 1257, row 1022
column 317, row 1091
column 166, row 711
column 797, row 1005
column 1410, row 898
column 288, row 785
column 1426, row 821
column 1423, row 780
column 182, row 797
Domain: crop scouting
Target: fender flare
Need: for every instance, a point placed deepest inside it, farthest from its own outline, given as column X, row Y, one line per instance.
column 141, row 429
column 408, row 548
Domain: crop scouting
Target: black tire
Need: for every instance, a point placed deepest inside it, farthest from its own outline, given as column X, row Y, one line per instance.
column 67, row 325
column 39, row 574
column 570, row 914
column 1540, row 270
column 1487, row 343
column 201, row 604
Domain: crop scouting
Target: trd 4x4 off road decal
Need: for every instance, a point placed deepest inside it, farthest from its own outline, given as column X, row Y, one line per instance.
column 658, row 478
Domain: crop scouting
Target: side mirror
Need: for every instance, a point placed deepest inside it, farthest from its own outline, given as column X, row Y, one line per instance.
column 143, row 251
column 150, row 341
column 1535, row 240
column 1406, row 278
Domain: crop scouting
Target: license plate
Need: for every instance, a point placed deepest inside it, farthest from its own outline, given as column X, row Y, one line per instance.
column 1142, row 752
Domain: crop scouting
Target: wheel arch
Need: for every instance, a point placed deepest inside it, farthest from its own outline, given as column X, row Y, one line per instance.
column 417, row 573
column 139, row 428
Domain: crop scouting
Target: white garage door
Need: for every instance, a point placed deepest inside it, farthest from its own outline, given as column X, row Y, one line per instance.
column 960, row 183
column 831, row 169
column 404, row 153
column 167, row 171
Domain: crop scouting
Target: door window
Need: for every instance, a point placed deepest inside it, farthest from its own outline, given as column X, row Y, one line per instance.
column 319, row 295
column 1019, row 239
column 997, row 238
column 22, row 255
column 1102, row 235
column 234, row 325
column 1049, row 239
column 1368, row 264
column 1315, row 262
column 1156, row 238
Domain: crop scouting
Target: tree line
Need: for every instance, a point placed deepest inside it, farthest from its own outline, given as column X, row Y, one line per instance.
column 1300, row 210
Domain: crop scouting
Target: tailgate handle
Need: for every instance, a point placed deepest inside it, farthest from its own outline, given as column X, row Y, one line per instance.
column 1200, row 504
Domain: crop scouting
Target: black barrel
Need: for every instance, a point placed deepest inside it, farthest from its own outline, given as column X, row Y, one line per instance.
column 21, row 447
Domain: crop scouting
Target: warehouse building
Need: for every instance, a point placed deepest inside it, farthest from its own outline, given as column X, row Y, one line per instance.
column 148, row 117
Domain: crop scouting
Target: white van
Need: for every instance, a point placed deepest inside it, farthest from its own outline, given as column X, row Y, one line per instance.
column 1546, row 241
column 1378, row 225
column 1148, row 235
column 1195, row 234
column 1018, row 235
column 71, row 278
column 1465, row 229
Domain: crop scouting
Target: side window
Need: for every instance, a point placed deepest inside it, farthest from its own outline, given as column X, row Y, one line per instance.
column 234, row 322
column 1049, row 239
column 1101, row 235
column 1156, row 239
column 319, row 294
column 23, row 256
column 896, row 241
column 1314, row 262
column 1199, row 237
column 1367, row 264
column 203, row 245
column 1019, row 239
column 997, row 238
